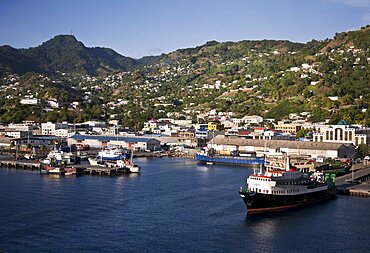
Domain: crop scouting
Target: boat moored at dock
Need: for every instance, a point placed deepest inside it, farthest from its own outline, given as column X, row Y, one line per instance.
column 209, row 157
column 278, row 186
column 126, row 165
column 114, row 154
column 48, row 169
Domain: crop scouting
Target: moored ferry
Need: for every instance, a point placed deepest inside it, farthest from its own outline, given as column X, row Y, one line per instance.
column 278, row 186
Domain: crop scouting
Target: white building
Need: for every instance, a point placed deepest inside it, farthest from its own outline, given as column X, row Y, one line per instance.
column 252, row 119
column 99, row 141
column 49, row 127
column 29, row 101
column 64, row 133
column 339, row 134
column 17, row 133
column 21, row 127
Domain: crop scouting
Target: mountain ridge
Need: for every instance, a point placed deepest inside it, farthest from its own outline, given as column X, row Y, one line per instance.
column 326, row 79
column 65, row 53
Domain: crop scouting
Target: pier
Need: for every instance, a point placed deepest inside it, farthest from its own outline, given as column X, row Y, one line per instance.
column 356, row 183
column 100, row 170
column 88, row 169
column 20, row 164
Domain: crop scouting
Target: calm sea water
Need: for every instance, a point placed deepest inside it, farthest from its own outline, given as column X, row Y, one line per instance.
column 174, row 205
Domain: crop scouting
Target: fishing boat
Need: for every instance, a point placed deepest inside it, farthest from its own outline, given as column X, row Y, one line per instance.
column 134, row 168
column 124, row 164
column 113, row 154
column 278, row 186
column 60, row 157
column 48, row 169
column 96, row 161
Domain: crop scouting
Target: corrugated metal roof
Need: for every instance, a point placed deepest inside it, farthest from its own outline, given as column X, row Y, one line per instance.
column 222, row 140
column 111, row 138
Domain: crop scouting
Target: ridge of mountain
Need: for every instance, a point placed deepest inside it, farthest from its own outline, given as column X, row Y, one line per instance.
column 326, row 80
column 65, row 53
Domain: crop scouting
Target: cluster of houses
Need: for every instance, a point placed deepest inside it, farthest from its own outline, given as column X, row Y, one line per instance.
column 160, row 76
column 246, row 134
column 221, row 127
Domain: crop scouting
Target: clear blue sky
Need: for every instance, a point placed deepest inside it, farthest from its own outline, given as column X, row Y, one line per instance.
column 149, row 27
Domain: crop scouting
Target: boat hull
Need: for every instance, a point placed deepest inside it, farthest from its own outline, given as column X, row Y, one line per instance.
column 263, row 203
column 51, row 170
column 230, row 160
column 115, row 157
column 133, row 168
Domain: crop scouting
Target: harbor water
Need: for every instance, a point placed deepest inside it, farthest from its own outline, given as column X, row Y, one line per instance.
column 174, row 205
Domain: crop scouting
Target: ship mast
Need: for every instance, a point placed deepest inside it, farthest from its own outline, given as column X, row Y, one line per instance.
column 264, row 156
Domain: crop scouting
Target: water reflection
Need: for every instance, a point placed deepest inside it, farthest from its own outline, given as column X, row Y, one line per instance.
column 121, row 178
column 265, row 225
column 51, row 177
column 202, row 168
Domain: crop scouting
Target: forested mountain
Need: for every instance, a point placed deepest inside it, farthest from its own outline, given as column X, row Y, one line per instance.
column 65, row 54
column 327, row 79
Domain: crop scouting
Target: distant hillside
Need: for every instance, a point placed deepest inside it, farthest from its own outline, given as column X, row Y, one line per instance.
column 279, row 79
column 64, row 53
column 359, row 39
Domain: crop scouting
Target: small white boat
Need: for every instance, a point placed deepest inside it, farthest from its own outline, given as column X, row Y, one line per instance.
column 96, row 161
column 134, row 168
column 126, row 165
column 60, row 157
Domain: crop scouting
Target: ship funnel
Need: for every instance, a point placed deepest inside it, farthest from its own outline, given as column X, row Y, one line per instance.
column 287, row 163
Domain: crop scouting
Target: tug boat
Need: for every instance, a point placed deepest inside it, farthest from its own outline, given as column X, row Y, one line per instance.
column 279, row 186
column 48, row 169
column 126, row 165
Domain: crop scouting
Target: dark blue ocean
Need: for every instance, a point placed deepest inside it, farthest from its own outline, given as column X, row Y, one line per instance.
column 174, row 205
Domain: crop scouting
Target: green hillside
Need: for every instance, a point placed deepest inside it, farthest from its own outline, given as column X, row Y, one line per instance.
column 64, row 53
column 327, row 79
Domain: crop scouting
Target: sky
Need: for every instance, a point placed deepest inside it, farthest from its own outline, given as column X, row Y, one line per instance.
column 139, row 28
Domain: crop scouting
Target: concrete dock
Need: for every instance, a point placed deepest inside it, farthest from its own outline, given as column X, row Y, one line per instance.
column 356, row 183
column 20, row 164
column 88, row 169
